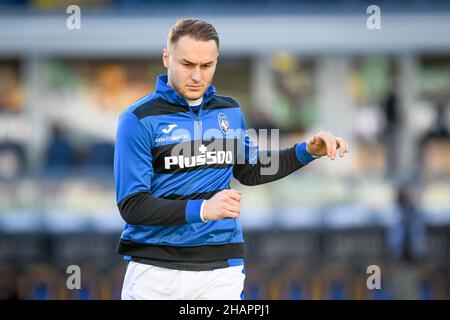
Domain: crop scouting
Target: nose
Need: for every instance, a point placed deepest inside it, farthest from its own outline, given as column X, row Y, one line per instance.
column 196, row 76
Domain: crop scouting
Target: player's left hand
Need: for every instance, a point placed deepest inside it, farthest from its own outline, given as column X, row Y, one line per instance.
column 325, row 143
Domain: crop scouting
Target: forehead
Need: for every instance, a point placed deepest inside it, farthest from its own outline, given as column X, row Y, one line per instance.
column 193, row 50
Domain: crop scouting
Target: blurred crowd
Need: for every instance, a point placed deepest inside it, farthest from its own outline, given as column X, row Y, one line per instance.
column 292, row 281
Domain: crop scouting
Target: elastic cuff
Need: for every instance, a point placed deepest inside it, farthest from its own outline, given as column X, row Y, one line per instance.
column 193, row 210
column 201, row 211
column 303, row 156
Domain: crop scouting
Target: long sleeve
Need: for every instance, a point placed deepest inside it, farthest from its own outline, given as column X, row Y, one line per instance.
column 256, row 167
column 133, row 173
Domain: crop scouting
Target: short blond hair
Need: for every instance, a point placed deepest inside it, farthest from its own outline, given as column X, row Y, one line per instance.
column 196, row 28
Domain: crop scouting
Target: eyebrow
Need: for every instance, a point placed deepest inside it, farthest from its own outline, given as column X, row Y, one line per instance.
column 187, row 61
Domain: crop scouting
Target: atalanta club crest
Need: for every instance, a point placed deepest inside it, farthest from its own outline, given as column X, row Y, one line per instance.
column 223, row 122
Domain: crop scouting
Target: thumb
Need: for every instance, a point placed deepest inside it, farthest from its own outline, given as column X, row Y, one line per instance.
column 312, row 140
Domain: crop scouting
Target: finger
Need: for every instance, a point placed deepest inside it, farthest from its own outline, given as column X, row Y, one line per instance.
column 342, row 145
column 235, row 209
column 231, row 214
column 330, row 142
column 341, row 148
column 333, row 147
column 231, row 201
column 230, row 193
column 235, row 191
column 346, row 148
column 312, row 140
column 327, row 142
column 234, row 194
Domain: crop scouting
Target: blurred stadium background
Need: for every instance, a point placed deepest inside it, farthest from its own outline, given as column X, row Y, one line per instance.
column 299, row 66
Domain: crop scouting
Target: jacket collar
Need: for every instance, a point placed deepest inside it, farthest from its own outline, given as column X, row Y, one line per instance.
column 170, row 95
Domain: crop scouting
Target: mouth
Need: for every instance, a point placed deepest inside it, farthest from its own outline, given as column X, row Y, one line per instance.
column 194, row 88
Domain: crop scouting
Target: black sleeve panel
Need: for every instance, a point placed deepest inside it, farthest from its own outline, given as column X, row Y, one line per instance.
column 252, row 174
column 144, row 209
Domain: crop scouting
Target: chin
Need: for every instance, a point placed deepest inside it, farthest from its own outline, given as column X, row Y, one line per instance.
column 193, row 96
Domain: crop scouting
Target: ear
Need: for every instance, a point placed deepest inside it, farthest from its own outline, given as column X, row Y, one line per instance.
column 165, row 58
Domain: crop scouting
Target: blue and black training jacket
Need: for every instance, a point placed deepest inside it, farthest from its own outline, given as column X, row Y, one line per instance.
column 168, row 159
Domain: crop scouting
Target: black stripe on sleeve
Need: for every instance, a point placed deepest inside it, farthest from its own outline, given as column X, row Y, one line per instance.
column 252, row 174
column 144, row 209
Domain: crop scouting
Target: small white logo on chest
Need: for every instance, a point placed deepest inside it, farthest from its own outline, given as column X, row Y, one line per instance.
column 224, row 125
column 169, row 128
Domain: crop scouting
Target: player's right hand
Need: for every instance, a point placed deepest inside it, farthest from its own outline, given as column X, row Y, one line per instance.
column 224, row 204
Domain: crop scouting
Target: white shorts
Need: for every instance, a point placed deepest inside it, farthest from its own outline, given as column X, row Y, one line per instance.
column 147, row 282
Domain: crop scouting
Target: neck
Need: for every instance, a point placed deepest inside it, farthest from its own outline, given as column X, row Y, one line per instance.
column 195, row 102
column 169, row 83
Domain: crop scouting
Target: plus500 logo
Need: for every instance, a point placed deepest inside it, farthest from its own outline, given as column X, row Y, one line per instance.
column 211, row 157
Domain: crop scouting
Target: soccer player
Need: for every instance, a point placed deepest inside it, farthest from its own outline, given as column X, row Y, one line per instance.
column 176, row 152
